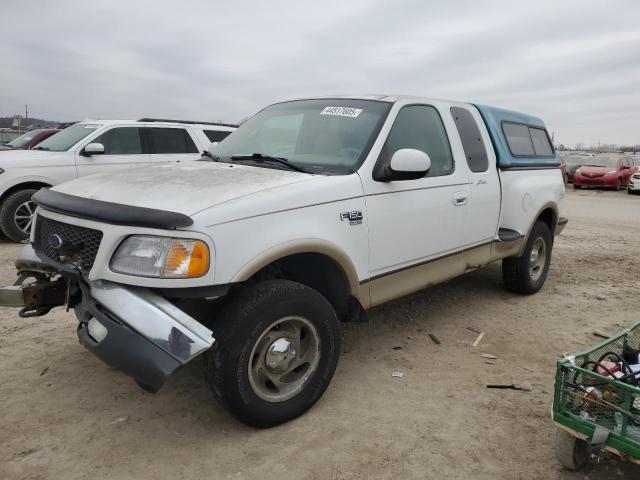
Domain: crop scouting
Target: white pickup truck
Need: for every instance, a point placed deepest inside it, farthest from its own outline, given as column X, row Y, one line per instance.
column 309, row 214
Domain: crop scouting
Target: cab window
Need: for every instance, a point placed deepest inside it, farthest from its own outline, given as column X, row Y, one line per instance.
column 121, row 141
column 420, row 127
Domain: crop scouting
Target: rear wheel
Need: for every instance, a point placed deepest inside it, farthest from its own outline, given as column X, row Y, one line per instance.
column 527, row 274
column 572, row 452
column 277, row 347
column 576, row 187
column 16, row 215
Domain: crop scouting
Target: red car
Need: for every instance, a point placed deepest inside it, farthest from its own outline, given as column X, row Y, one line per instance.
column 607, row 171
column 30, row 139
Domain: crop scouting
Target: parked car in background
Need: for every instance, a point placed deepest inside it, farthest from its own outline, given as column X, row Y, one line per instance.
column 29, row 140
column 605, row 171
column 634, row 182
column 93, row 146
column 565, row 171
column 573, row 162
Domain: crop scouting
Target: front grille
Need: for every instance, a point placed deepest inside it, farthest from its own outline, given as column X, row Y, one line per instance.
column 79, row 245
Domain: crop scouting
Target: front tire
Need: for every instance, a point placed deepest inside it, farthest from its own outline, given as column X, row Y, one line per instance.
column 16, row 215
column 527, row 274
column 277, row 348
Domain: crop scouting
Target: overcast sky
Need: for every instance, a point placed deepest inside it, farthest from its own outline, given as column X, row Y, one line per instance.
column 575, row 63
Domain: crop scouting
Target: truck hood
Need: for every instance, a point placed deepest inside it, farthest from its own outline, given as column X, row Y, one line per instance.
column 186, row 187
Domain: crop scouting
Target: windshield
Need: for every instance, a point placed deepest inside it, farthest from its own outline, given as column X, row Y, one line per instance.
column 571, row 160
column 67, row 138
column 23, row 140
column 601, row 162
column 320, row 136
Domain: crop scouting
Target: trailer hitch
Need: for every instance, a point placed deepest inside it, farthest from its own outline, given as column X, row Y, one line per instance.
column 35, row 299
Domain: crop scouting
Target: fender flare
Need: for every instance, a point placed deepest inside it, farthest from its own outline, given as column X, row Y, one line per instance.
column 305, row 245
column 549, row 205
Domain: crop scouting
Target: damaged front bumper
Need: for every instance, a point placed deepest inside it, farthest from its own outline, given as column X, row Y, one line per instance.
column 132, row 329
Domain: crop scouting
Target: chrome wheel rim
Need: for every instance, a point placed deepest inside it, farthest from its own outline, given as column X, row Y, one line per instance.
column 23, row 216
column 284, row 358
column 537, row 258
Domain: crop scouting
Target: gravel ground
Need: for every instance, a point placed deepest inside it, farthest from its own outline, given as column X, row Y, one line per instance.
column 65, row 415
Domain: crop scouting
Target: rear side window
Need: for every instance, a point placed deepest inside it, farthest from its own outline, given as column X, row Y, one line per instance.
column 171, row 140
column 526, row 141
column 121, row 141
column 541, row 143
column 471, row 139
column 216, row 135
column 420, row 127
column 518, row 139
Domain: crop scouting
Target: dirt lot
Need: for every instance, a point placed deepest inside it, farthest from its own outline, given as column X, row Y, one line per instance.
column 65, row 415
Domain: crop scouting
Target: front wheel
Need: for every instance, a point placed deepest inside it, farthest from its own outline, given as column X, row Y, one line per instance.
column 16, row 215
column 527, row 274
column 277, row 348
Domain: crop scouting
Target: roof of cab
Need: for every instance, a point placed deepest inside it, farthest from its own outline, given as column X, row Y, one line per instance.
column 492, row 116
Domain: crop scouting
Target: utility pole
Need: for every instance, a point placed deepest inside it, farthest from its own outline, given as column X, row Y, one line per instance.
column 26, row 112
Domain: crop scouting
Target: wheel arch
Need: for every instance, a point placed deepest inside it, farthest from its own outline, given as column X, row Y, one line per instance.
column 35, row 184
column 316, row 263
column 548, row 214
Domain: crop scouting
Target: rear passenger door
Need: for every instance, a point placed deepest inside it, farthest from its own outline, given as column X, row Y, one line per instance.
column 124, row 146
column 483, row 211
column 171, row 144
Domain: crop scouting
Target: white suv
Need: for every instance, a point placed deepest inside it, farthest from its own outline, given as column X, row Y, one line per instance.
column 94, row 147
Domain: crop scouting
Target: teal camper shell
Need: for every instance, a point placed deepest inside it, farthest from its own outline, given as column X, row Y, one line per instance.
column 495, row 119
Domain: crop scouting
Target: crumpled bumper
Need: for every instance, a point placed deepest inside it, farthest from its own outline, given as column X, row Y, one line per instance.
column 138, row 332
column 132, row 329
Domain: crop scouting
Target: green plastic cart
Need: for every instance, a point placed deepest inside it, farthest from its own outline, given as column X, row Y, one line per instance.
column 595, row 411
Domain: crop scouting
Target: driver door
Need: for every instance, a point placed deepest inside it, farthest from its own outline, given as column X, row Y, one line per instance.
column 124, row 147
column 416, row 227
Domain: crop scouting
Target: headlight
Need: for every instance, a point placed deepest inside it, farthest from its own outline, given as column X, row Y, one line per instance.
column 161, row 257
column 610, row 174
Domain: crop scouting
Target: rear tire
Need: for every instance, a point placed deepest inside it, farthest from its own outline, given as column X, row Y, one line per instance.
column 276, row 350
column 16, row 215
column 526, row 274
column 572, row 453
column 576, row 187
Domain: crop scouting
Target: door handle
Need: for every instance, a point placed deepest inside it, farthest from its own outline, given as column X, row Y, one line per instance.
column 460, row 198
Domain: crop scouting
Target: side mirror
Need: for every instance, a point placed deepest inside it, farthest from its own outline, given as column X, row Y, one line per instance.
column 626, row 167
column 405, row 164
column 93, row 149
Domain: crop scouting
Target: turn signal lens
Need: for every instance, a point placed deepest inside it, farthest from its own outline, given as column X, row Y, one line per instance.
column 186, row 258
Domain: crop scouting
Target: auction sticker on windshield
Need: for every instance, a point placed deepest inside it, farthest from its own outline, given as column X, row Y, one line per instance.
column 341, row 111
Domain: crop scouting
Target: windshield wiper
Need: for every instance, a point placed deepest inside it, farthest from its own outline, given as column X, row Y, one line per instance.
column 207, row 153
column 261, row 158
column 40, row 148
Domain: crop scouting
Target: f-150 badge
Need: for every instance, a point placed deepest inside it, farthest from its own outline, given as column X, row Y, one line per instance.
column 354, row 217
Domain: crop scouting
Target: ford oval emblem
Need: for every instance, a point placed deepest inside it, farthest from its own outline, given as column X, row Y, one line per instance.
column 55, row 241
